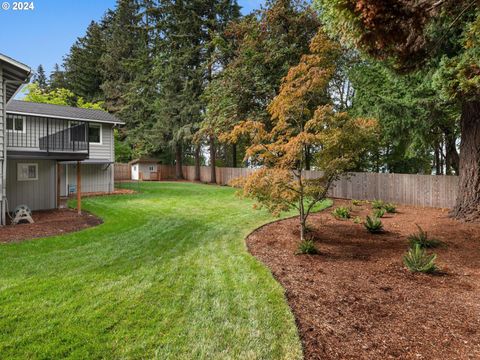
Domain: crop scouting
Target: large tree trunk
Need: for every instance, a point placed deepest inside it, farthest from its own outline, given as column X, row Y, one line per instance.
column 197, row 163
column 213, row 158
column 234, row 155
column 468, row 200
column 178, row 162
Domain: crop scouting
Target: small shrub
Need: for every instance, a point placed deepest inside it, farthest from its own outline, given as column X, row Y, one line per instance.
column 357, row 220
column 341, row 212
column 357, row 202
column 390, row 208
column 379, row 213
column 307, row 247
column 378, row 204
column 421, row 239
column 373, row 224
column 417, row 260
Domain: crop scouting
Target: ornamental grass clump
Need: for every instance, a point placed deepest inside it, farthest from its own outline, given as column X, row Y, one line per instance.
column 390, row 208
column 422, row 239
column 417, row 260
column 378, row 204
column 379, row 213
column 373, row 224
column 341, row 213
column 307, row 247
column 357, row 202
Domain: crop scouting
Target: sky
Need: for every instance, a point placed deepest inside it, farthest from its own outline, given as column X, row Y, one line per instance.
column 44, row 35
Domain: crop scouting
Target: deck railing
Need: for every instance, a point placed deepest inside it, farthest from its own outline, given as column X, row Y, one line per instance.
column 31, row 133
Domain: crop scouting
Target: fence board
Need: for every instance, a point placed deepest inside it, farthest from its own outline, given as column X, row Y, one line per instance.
column 409, row 189
column 122, row 172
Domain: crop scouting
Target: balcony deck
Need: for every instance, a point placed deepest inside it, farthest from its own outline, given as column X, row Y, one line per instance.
column 41, row 137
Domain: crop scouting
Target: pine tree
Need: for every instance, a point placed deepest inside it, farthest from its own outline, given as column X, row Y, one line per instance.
column 57, row 78
column 40, row 78
column 82, row 64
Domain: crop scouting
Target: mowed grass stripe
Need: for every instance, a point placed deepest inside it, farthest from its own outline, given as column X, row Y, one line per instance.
column 166, row 276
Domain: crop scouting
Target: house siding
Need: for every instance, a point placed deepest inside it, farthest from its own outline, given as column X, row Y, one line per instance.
column 105, row 150
column 2, row 157
column 95, row 178
column 36, row 194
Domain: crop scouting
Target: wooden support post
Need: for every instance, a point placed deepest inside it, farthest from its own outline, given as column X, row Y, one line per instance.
column 59, row 173
column 79, row 188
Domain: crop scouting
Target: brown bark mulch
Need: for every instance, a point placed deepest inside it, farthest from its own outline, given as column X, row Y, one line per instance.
column 356, row 300
column 48, row 223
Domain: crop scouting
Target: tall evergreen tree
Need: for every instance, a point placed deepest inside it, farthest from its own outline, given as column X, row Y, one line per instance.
column 82, row 64
column 440, row 35
column 57, row 78
column 185, row 66
column 40, row 78
column 264, row 45
column 124, row 37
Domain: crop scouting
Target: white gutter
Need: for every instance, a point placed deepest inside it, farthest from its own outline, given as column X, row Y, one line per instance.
column 66, row 118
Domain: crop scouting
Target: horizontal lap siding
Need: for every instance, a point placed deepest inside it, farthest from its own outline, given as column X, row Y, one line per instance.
column 37, row 194
column 95, row 178
column 105, row 150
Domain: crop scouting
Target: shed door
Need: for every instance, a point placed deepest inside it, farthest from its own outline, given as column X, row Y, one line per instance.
column 135, row 172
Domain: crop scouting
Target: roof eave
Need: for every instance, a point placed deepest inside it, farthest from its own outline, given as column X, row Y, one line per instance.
column 65, row 117
column 16, row 63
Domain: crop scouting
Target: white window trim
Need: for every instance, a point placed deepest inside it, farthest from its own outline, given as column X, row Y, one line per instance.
column 27, row 164
column 101, row 133
column 151, row 168
column 24, row 124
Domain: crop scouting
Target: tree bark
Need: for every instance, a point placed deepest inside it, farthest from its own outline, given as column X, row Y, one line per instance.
column 213, row 158
column 178, row 162
column 307, row 157
column 197, row 163
column 234, row 155
column 437, row 160
column 468, row 199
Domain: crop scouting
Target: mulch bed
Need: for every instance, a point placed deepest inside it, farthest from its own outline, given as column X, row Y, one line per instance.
column 49, row 223
column 115, row 192
column 356, row 300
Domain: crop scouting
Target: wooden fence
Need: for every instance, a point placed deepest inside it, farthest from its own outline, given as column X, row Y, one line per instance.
column 409, row 189
column 122, row 172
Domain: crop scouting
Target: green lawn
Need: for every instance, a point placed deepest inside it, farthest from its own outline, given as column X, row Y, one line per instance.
column 167, row 276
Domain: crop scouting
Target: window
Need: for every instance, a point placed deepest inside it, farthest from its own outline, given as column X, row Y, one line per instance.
column 27, row 172
column 151, row 168
column 16, row 123
column 95, row 133
column 77, row 131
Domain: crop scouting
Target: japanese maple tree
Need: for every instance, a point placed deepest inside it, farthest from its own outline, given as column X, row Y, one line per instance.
column 302, row 116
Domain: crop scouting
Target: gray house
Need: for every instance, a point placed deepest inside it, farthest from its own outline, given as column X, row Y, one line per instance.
column 49, row 150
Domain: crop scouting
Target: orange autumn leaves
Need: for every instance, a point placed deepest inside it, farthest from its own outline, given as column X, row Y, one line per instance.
column 303, row 120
